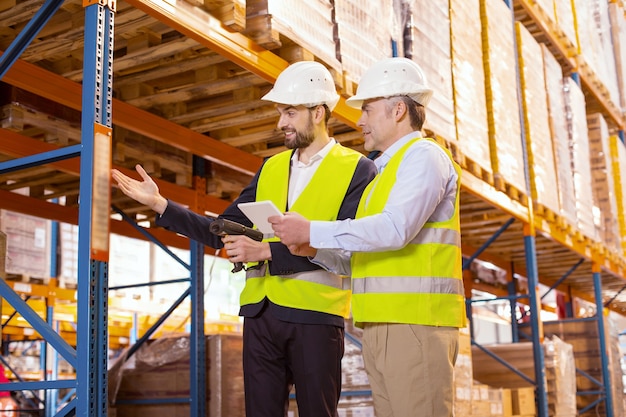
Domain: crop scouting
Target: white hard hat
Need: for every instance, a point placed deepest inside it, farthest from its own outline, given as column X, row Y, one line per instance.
column 306, row 83
column 392, row 77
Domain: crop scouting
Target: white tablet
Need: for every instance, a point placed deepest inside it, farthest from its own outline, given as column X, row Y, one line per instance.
column 258, row 212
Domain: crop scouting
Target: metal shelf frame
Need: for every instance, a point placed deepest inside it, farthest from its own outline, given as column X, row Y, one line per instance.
column 532, row 276
column 90, row 358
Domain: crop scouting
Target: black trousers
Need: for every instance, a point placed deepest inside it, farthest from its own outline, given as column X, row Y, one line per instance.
column 278, row 354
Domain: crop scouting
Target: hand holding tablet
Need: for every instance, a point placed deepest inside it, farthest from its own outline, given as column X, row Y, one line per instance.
column 258, row 212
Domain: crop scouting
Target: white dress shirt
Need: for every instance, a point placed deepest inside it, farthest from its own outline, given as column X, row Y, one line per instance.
column 425, row 189
column 300, row 174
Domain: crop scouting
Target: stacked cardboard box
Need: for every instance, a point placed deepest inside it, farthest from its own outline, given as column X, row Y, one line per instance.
column 560, row 138
column 502, row 102
column 559, row 371
column 355, row 18
column 28, row 244
column 541, row 168
column 470, row 104
column 618, row 36
column 579, row 148
column 583, row 336
column 607, row 227
column 429, row 33
column 161, row 370
column 596, row 48
column 310, row 24
column 565, row 18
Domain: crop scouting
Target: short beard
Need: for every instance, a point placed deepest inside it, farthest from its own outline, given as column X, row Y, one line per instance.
column 303, row 139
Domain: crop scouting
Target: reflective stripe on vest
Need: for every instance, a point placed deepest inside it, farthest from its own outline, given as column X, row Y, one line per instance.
column 444, row 236
column 418, row 284
column 423, row 285
column 319, row 276
column 321, row 199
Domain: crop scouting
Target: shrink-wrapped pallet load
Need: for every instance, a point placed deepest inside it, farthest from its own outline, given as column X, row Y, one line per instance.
column 505, row 138
column 603, row 187
column 309, row 24
column 583, row 336
column 560, row 372
column 579, row 148
column 618, row 37
column 161, row 369
column 596, row 47
column 564, row 14
column 547, row 8
column 430, row 47
column 564, row 187
column 355, row 18
column 541, row 168
column 28, row 245
column 468, row 77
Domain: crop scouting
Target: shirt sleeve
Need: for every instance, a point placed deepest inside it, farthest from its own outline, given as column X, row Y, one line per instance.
column 424, row 177
column 332, row 260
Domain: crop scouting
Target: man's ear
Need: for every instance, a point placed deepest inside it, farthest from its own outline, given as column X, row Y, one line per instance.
column 400, row 110
column 319, row 113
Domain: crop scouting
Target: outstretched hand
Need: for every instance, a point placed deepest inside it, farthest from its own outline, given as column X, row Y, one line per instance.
column 145, row 192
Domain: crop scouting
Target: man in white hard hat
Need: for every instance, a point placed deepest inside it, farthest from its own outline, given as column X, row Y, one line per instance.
column 293, row 309
column 405, row 248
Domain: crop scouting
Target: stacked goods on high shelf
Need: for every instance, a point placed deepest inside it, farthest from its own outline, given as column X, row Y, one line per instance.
column 618, row 37
column 470, row 105
column 565, row 20
column 579, row 148
column 560, row 138
column 541, row 168
column 308, row 24
column 355, row 18
column 428, row 43
column 584, row 337
column 160, row 369
column 559, row 368
column 607, row 225
column 28, row 245
column 505, row 139
column 595, row 45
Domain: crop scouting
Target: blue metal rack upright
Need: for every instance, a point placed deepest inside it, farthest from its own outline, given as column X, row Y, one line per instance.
column 90, row 357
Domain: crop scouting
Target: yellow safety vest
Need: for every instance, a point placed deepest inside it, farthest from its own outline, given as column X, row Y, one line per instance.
column 321, row 199
column 421, row 283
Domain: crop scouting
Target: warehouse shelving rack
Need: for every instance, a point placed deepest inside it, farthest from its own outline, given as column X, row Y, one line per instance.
column 90, row 357
column 525, row 227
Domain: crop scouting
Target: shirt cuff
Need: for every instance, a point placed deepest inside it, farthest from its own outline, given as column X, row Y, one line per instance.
column 322, row 235
column 335, row 261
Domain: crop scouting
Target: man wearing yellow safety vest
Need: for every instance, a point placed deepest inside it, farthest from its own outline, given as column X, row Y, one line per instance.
column 293, row 309
column 405, row 248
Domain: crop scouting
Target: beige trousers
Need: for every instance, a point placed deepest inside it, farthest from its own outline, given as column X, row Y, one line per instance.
column 410, row 368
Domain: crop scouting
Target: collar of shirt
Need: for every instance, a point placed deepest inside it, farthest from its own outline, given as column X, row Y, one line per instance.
column 383, row 159
column 300, row 173
column 295, row 158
